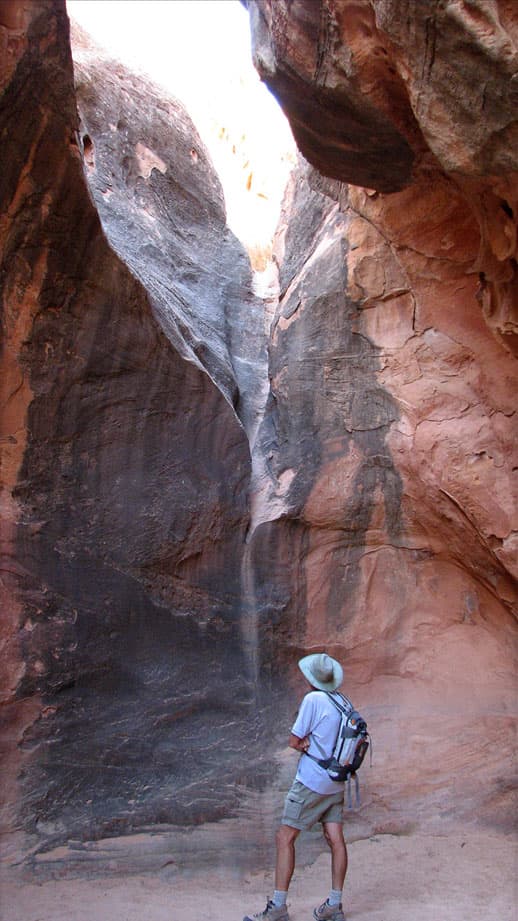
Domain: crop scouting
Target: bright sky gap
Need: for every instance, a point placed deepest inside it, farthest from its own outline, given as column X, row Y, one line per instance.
column 199, row 52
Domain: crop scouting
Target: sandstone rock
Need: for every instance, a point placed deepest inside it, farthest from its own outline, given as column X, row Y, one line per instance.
column 385, row 508
column 372, row 88
column 385, row 503
column 162, row 209
column 388, row 95
column 124, row 488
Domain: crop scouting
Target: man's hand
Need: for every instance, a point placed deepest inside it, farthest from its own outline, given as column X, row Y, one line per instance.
column 300, row 745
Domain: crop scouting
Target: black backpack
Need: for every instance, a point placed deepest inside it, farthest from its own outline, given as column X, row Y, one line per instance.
column 351, row 746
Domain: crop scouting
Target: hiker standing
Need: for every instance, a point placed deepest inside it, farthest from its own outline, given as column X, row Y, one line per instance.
column 314, row 796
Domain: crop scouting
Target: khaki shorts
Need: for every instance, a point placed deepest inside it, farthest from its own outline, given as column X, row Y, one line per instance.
column 304, row 807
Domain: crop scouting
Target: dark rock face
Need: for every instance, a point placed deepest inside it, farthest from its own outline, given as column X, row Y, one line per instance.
column 125, row 486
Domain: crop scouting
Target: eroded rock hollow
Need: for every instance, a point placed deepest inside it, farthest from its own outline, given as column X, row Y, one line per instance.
column 192, row 496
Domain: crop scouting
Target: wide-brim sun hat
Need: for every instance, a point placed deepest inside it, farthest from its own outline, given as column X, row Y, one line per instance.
column 322, row 671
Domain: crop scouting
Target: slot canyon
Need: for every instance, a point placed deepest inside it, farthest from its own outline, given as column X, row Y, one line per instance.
column 203, row 480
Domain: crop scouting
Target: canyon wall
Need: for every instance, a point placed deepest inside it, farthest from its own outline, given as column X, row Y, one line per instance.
column 126, row 340
column 185, row 510
column 385, row 470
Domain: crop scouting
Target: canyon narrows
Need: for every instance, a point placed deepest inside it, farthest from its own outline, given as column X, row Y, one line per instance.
column 198, row 487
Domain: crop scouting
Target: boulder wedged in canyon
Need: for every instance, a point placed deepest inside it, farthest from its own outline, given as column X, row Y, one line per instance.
column 388, row 95
column 385, row 500
column 125, row 466
column 162, row 208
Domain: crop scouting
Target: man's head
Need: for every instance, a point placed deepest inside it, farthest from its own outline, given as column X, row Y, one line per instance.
column 322, row 672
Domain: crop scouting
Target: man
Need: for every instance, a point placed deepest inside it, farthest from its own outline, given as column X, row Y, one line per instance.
column 313, row 796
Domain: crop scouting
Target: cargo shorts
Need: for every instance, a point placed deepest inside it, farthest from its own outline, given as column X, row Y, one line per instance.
column 303, row 807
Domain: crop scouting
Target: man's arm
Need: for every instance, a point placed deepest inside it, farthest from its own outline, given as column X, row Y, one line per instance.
column 300, row 745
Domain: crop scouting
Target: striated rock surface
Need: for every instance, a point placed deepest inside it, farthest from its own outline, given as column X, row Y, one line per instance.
column 385, row 501
column 125, row 466
column 385, row 498
column 162, row 208
column 373, row 87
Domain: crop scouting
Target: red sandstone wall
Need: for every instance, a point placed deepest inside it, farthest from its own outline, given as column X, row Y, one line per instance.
column 387, row 505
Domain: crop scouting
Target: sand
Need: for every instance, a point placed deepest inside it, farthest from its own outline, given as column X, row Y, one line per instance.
column 419, row 877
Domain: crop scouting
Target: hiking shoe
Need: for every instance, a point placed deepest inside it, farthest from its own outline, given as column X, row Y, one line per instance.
column 270, row 913
column 328, row 912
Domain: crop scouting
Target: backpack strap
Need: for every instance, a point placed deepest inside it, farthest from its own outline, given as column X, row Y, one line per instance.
column 323, row 762
column 344, row 708
column 344, row 705
column 356, row 790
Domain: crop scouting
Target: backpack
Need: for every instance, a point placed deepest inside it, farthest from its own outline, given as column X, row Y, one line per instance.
column 351, row 745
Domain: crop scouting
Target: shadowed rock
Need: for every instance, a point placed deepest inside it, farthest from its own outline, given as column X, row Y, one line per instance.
column 126, row 466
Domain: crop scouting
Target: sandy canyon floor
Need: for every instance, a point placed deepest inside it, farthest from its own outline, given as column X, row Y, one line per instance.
column 468, row 877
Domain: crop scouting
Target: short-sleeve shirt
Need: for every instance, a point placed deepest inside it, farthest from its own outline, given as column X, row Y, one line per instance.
column 319, row 719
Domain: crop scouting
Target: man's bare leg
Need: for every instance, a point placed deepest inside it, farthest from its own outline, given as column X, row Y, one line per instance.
column 285, row 864
column 334, row 835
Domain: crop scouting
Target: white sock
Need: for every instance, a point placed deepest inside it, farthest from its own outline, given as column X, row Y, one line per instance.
column 335, row 897
column 279, row 898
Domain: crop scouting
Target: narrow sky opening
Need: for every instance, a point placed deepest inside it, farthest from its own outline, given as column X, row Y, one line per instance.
column 199, row 51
